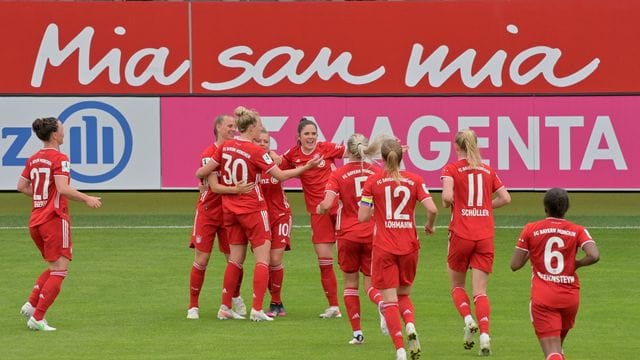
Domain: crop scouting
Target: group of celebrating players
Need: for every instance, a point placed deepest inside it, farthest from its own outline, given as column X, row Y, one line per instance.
column 368, row 210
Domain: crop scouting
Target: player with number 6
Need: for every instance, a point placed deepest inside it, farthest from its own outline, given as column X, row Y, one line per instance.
column 552, row 244
column 468, row 188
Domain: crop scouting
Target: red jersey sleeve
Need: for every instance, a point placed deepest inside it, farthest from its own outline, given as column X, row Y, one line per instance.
column 333, row 185
column 523, row 240
column 584, row 237
column 262, row 159
column 448, row 171
column 331, row 150
column 497, row 183
column 422, row 192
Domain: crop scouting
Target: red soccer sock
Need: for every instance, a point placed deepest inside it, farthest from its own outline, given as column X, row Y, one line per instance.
column 328, row 279
column 260, row 281
column 352, row 303
column 555, row 356
column 374, row 295
column 276, row 276
column 406, row 309
column 461, row 301
column 195, row 283
column 483, row 312
column 232, row 275
column 35, row 292
column 391, row 314
column 49, row 292
column 236, row 293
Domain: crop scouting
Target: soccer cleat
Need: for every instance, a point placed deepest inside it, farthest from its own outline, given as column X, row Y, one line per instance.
column 41, row 325
column 193, row 313
column 27, row 310
column 413, row 344
column 357, row 340
column 470, row 328
column 273, row 310
column 238, row 306
column 401, row 354
column 225, row 313
column 331, row 312
column 383, row 322
column 276, row 309
column 485, row 345
column 259, row 315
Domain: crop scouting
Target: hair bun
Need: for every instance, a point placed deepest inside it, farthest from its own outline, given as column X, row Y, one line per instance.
column 240, row 110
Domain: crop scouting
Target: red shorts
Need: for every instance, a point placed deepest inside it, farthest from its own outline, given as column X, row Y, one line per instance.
column 323, row 228
column 281, row 232
column 354, row 256
column 53, row 239
column 247, row 228
column 464, row 254
column 551, row 322
column 389, row 271
column 204, row 233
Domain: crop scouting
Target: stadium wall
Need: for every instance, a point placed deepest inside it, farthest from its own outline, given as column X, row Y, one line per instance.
column 550, row 87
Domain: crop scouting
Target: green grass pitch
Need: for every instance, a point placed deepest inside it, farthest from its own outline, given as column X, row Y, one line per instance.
column 127, row 290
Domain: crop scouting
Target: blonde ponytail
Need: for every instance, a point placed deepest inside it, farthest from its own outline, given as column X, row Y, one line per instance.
column 468, row 142
column 391, row 152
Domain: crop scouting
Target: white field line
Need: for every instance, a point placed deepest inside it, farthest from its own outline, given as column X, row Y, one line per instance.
column 631, row 227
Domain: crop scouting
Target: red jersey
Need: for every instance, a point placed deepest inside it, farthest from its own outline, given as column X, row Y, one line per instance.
column 40, row 170
column 552, row 245
column 314, row 180
column 393, row 210
column 273, row 192
column 473, row 188
column 242, row 161
column 209, row 202
column 347, row 183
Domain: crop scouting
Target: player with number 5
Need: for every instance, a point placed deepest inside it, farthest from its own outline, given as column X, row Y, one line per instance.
column 45, row 179
column 468, row 187
column 551, row 245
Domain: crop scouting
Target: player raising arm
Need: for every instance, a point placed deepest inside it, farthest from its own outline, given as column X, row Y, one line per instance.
column 552, row 244
column 45, row 179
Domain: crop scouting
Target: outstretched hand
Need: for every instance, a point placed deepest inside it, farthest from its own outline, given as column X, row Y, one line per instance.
column 317, row 159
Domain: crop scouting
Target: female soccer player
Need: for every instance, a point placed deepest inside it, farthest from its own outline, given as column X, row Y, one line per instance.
column 390, row 196
column 45, row 179
column 313, row 185
column 245, row 215
column 468, row 186
column 208, row 223
column 354, row 238
column 280, row 224
column 551, row 245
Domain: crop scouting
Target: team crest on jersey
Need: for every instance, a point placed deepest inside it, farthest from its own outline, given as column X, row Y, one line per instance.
column 267, row 159
column 322, row 163
column 274, row 180
column 66, row 167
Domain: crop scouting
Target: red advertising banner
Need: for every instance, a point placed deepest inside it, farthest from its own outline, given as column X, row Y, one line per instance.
column 94, row 48
column 314, row 48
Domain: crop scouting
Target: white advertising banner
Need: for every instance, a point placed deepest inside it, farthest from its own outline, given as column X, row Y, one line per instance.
column 112, row 143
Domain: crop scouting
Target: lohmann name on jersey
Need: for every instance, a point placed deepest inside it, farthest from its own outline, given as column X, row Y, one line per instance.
column 394, row 224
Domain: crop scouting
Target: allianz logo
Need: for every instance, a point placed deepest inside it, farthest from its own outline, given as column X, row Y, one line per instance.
column 98, row 141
